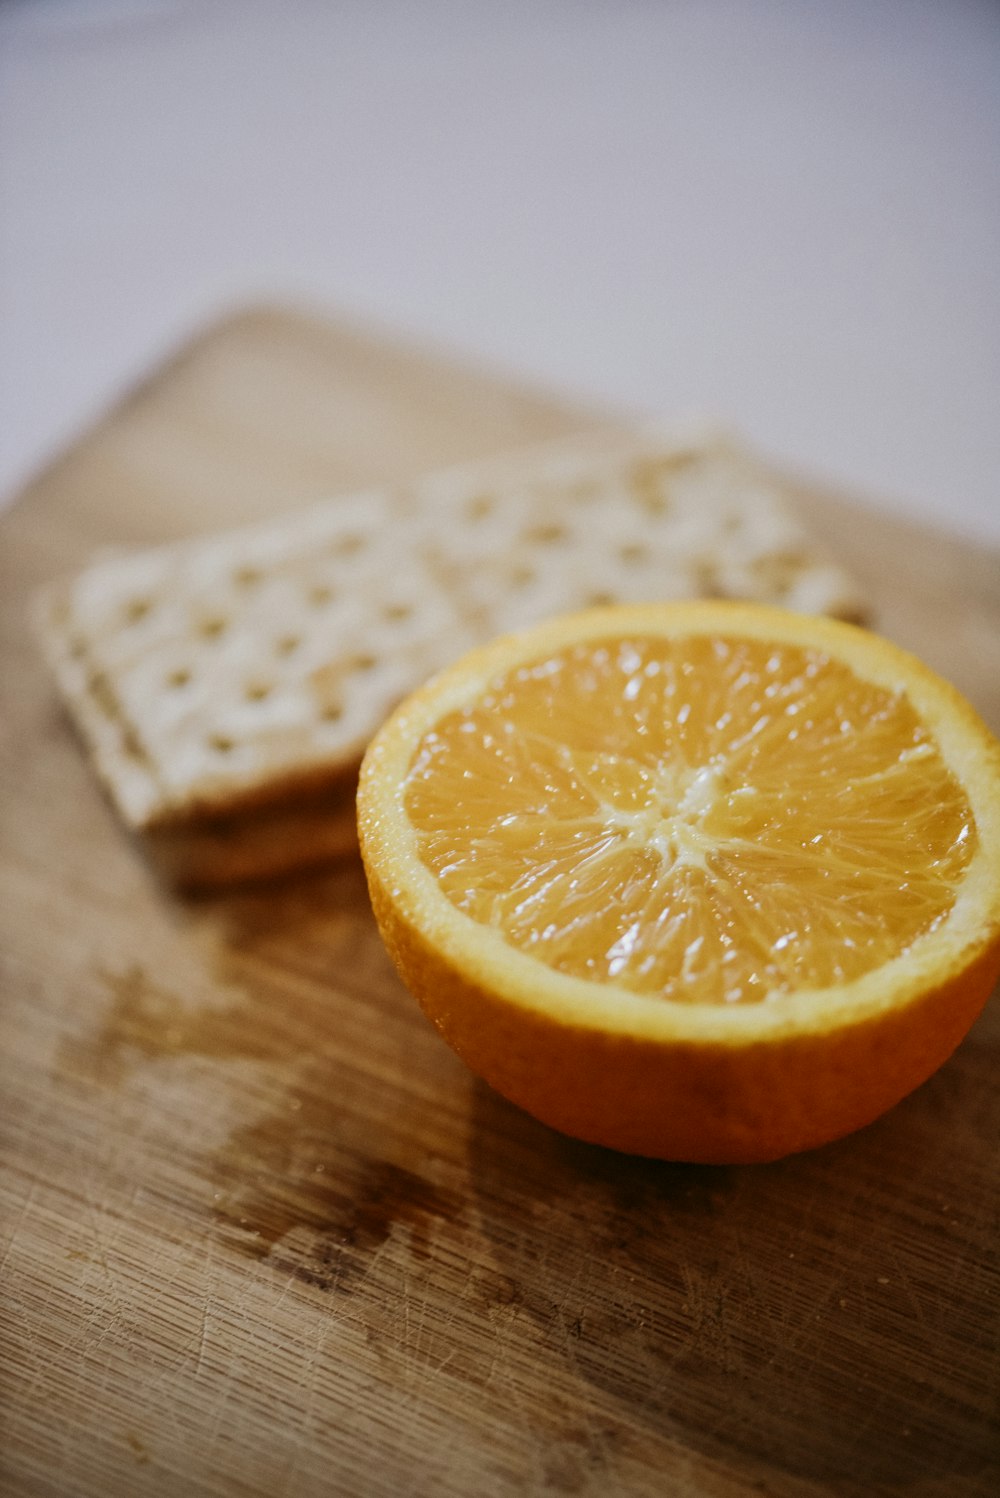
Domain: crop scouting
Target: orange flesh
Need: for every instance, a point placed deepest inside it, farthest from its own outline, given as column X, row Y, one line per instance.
column 701, row 819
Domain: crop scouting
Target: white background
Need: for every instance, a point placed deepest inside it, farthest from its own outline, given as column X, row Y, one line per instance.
column 785, row 213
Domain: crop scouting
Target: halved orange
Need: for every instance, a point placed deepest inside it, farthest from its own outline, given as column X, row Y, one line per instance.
column 702, row 881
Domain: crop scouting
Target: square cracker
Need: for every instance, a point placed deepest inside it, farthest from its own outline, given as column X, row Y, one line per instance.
column 226, row 687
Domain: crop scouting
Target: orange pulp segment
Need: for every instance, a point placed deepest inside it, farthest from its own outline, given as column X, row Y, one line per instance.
column 711, row 819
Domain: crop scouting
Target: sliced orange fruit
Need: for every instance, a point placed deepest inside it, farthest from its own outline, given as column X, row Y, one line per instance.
column 701, row 881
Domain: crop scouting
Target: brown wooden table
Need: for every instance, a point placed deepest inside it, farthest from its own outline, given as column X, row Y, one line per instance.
column 264, row 1235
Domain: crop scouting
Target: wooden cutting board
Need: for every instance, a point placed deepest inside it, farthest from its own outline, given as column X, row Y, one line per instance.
column 265, row 1235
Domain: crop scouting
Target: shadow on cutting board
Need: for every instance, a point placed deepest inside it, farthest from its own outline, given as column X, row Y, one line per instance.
column 782, row 1317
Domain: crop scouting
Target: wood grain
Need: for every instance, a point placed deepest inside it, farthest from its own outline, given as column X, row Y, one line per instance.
column 264, row 1235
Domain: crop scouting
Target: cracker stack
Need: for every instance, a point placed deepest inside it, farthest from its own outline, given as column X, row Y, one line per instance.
column 227, row 687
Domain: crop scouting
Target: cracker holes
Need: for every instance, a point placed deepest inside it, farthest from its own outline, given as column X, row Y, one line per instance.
column 781, row 563
column 220, row 743
column 100, row 688
column 479, row 507
column 247, row 577
column 331, row 712
column 548, row 534
column 213, row 627
column 362, row 662
column 257, row 691
column 601, row 600
column 178, row 678
column 348, row 545
column 287, row 644
column 654, row 503
column 777, row 571
column 707, row 580
column 131, row 745
column 137, row 609
column 397, row 613
column 633, row 552
column 651, row 481
column 521, row 577
column 320, row 595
